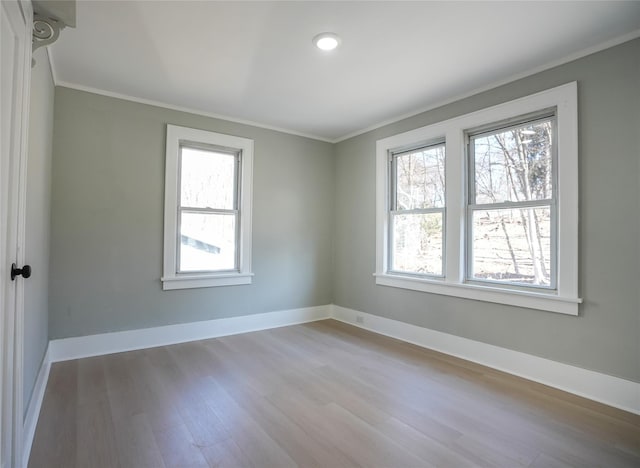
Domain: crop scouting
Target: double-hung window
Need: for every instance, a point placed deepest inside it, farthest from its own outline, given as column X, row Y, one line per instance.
column 497, row 218
column 417, row 210
column 511, row 222
column 207, row 209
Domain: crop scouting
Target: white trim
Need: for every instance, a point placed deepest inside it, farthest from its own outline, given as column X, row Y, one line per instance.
column 562, row 300
column 171, row 279
column 613, row 391
column 458, row 97
column 204, row 281
column 35, row 404
column 117, row 342
column 96, row 345
column 607, row 389
column 494, row 84
column 52, row 72
column 18, row 15
column 189, row 110
column 531, row 300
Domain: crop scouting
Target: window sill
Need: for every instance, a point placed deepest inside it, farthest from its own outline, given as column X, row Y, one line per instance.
column 550, row 302
column 205, row 281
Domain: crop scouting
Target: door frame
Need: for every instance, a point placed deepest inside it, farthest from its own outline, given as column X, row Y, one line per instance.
column 19, row 13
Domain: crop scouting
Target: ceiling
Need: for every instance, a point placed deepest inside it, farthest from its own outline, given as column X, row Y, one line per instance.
column 254, row 61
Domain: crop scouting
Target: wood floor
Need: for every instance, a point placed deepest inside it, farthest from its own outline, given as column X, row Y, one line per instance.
column 323, row 394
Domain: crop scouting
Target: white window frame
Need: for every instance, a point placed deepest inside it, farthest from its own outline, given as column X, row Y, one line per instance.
column 172, row 279
column 472, row 205
column 564, row 298
column 394, row 211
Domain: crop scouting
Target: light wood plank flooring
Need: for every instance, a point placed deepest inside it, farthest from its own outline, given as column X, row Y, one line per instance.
column 323, row 394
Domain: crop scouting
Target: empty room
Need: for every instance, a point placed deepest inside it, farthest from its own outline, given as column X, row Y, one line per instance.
column 320, row 234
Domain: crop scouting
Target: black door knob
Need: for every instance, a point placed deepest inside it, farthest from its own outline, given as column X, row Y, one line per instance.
column 25, row 271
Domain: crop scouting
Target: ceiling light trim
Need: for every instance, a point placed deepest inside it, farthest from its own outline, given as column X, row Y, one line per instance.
column 327, row 41
column 188, row 110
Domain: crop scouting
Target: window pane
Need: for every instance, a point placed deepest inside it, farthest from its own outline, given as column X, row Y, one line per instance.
column 512, row 246
column 417, row 243
column 514, row 165
column 420, row 178
column 207, row 242
column 207, row 179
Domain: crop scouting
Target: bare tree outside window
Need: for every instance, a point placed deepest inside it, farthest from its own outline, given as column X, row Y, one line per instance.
column 417, row 214
column 512, row 203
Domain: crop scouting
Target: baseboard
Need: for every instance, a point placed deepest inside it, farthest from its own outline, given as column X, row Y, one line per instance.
column 612, row 391
column 33, row 409
column 108, row 343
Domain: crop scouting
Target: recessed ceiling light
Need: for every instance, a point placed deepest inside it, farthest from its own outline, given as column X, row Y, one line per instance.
column 326, row 41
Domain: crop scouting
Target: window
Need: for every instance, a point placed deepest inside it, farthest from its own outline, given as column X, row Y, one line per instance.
column 207, row 209
column 494, row 220
column 511, row 208
column 416, row 212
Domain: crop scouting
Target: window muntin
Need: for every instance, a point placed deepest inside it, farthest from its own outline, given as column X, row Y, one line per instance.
column 208, row 213
column 511, row 222
column 417, row 210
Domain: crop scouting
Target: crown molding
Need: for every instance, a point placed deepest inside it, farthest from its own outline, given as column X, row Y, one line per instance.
column 189, row 110
column 458, row 97
column 569, row 58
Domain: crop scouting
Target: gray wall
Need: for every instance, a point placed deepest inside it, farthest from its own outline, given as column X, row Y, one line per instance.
column 314, row 202
column 37, row 220
column 107, row 220
column 606, row 335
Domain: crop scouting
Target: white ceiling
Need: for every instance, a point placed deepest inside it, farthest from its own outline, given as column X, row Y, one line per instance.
column 254, row 61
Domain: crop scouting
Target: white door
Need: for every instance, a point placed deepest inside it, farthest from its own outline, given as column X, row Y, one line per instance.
column 15, row 70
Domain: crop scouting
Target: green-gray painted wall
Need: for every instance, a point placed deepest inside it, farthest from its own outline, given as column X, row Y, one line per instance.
column 314, row 236
column 606, row 335
column 108, row 210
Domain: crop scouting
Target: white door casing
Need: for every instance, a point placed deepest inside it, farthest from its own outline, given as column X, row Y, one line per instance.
column 16, row 17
